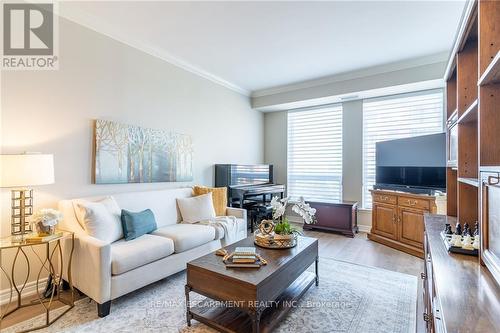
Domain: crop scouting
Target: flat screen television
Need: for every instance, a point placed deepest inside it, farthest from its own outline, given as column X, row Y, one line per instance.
column 416, row 164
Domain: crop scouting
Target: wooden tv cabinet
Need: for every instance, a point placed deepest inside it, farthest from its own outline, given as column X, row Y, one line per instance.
column 398, row 219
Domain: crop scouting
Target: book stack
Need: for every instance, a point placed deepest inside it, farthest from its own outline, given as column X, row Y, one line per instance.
column 244, row 257
column 34, row 238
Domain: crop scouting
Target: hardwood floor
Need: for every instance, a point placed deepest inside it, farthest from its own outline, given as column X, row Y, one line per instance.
column 358, row 250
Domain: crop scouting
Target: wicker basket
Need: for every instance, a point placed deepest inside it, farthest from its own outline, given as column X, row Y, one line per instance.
column 272, row 241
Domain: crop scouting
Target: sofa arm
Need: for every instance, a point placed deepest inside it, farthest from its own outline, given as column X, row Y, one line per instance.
column 237, row 212
column 91, row 267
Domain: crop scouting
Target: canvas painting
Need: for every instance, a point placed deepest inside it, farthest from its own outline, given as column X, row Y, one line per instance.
column 133, row 154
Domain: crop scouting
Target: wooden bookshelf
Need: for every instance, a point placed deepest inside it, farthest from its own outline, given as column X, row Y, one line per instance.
column 462, row 94
column 473, row 90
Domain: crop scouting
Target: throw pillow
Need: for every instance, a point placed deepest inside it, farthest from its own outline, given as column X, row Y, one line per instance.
column 100, row 219
column 136, row 224
column 196, row 209
column 219, row 197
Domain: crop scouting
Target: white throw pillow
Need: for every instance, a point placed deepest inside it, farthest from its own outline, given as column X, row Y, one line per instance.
column 100, row 219
column 196, row 209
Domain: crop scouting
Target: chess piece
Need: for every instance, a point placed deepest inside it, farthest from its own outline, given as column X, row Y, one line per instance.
column 458, row 241
column 476, row 229
column 476, row 243
column 467, row 243
column 466, row 231
column 447, row 229
column 458, row 229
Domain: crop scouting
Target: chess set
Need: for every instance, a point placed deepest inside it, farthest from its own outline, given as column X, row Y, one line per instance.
column 462, row 240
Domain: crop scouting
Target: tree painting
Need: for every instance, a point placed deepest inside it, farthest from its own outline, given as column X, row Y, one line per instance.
column 133, row 154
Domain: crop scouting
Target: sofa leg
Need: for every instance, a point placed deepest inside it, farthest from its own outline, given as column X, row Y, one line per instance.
column 103, row 309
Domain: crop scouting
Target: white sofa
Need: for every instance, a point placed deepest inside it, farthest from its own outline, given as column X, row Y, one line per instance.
column 107, row 271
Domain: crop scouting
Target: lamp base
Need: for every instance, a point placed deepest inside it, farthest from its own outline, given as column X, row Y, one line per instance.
column 22, row 207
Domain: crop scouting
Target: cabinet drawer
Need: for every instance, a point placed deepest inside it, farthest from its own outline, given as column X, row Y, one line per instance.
column 385, row 198
column 414, row 203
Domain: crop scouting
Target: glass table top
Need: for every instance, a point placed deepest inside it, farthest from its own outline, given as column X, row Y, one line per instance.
column 31, row 239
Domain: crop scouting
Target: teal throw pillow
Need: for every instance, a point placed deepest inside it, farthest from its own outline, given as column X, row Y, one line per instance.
column 136, row 224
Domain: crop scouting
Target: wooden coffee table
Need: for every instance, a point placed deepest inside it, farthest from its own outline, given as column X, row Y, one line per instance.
column 250, row 299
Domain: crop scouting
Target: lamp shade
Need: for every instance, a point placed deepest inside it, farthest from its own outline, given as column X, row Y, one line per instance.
column 26, row 170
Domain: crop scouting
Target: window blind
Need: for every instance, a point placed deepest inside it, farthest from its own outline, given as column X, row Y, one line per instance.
column 315, row 154
column 397, row 117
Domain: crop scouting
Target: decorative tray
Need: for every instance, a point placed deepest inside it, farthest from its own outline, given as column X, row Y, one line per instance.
column 272, row 242
column 228, row 261
column 456, row 249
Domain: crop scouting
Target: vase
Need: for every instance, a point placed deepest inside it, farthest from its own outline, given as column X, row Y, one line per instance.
column 43, row 230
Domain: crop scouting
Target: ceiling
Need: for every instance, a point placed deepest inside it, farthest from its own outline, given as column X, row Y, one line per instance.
column 250, row 46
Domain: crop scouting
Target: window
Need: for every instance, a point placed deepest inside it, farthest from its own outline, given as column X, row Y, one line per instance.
column 397, row 117
column 315, row 154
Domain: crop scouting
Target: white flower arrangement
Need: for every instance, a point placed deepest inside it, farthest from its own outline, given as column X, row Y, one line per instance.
column 305, row 211
column 47, row 217
column 302, row 208
column 279, row 207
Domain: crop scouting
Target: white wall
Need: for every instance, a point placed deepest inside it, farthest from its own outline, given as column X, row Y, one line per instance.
column 275, row 138
column 98, row 77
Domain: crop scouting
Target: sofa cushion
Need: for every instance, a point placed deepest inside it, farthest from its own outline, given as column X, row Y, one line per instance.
column 127, row 255
column 196, row 209
column 162, row 203
column 187, row 236
column 219, row 197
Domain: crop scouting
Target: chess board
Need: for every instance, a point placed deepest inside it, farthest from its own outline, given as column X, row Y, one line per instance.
column 455, row 249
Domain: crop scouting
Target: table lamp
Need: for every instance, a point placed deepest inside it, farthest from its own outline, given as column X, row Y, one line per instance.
column 19, row 172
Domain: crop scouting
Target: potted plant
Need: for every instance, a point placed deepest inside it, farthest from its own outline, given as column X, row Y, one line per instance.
column 279, row 233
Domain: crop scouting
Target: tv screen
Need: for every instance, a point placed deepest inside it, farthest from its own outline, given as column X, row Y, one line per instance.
column 417, row 162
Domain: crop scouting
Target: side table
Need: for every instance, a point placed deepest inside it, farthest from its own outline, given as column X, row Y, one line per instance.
column 53, row 264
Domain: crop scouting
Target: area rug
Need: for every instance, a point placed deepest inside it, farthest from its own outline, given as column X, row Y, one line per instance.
column 350, row 298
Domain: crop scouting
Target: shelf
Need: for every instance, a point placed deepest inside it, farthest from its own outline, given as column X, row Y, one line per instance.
column 489, row 168
column 470, row 115
column 491, row 74
column 469, row 181
column 452, row 119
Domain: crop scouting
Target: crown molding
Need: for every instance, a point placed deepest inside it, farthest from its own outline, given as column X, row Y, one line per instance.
column 82, row 18
column 356, row 74
column 354, row 96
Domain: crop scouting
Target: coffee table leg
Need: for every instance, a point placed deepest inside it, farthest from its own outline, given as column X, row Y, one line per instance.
column 317, row 273
column 187, row 289
column 255, row 315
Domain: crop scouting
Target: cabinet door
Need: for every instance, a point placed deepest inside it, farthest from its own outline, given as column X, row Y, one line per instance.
column 411, row 226
column 384, row 220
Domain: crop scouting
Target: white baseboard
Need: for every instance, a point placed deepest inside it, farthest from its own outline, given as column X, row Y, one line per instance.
column 29, row 290
column 364, row 228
